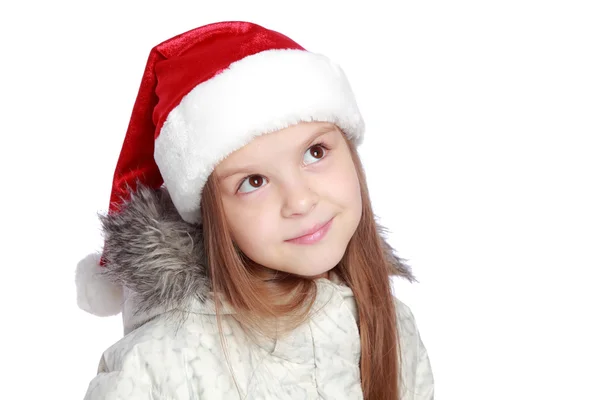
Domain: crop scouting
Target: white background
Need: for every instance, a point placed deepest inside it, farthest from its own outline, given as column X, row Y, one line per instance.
column 482, row 154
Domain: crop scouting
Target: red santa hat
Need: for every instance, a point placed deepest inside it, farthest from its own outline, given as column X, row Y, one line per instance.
column 204, row 94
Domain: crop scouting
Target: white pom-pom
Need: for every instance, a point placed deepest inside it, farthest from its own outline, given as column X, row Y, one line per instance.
column 95, row 293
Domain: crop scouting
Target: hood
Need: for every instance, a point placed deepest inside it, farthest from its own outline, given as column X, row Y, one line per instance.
column 159, row 258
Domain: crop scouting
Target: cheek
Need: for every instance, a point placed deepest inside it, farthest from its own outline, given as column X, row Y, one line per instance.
column 346, row 187
column 249, row 225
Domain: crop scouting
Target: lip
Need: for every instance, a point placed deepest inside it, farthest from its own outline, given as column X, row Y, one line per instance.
column 313, row 235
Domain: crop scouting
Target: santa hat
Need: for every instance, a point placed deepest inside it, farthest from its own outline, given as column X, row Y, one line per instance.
column 204, row 94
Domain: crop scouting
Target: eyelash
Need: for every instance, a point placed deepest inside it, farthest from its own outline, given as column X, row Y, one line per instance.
column 320, row 144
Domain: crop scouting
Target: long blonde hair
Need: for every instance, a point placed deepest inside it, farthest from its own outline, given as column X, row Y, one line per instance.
column 256, row 292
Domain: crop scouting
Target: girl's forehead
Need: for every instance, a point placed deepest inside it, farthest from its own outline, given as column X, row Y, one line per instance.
column 282, row 141
column 294, row 134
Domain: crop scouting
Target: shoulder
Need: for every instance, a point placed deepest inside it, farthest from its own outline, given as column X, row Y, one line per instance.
column 410, row 339
column 417, row 376
column 405, row 318
column 166, row 335
column 160, row 358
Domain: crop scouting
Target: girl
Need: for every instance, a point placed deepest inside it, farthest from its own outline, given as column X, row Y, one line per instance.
column 240, row 242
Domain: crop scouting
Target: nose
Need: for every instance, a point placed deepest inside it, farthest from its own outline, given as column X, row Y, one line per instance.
column 298, row 198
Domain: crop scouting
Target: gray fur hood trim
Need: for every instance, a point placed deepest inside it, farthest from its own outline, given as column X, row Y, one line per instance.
column 151, row 251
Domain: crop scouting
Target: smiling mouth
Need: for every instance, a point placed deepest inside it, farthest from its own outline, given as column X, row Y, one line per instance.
column 313, row 237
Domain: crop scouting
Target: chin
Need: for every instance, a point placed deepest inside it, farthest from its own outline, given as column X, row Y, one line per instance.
column 316, row 268
column 314, row 261
column 314, row 274
column 306, row 269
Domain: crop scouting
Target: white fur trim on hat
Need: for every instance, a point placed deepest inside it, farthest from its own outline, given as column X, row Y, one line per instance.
column 95, row 293
column 259, row 94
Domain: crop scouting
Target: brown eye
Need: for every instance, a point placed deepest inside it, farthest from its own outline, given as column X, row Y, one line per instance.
column 316, row 152
column 251, row 183
column 255, row 181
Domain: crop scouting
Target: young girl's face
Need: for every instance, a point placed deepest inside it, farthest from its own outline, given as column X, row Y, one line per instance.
column 284, row 184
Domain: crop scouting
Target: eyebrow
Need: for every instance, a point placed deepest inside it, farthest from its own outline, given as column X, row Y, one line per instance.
column 249, row 168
